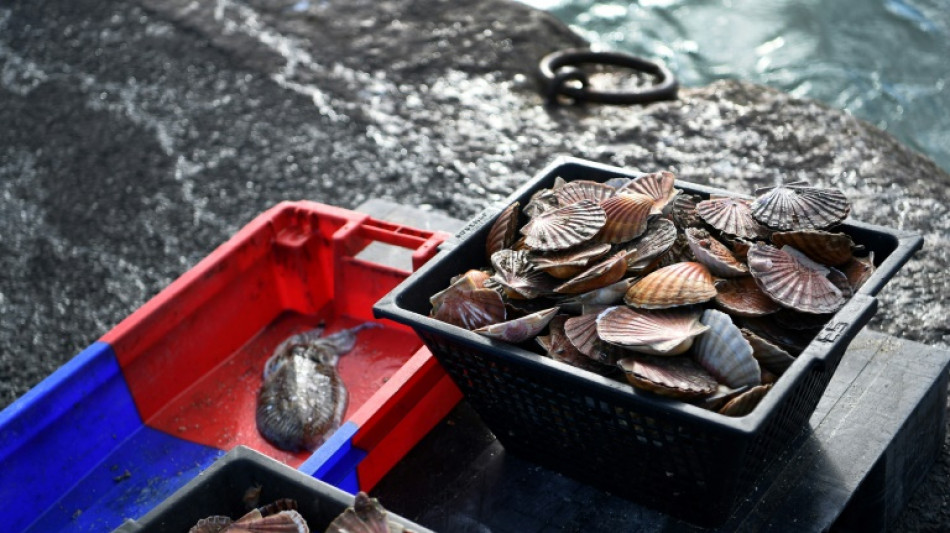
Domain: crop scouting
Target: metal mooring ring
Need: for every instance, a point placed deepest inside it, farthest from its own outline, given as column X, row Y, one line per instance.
column 558, row 69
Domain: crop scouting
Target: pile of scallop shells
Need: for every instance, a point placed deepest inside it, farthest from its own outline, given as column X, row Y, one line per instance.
column 705, row 300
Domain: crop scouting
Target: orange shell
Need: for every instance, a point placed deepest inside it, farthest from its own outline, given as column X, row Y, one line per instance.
column 627, row 217
column 678, row 284
column 831, row 249
column 743, row 297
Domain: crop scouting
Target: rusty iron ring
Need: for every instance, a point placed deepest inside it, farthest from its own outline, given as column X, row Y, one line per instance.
column 559, row 68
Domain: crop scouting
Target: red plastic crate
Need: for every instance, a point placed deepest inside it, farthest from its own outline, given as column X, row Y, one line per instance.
column 193, row 355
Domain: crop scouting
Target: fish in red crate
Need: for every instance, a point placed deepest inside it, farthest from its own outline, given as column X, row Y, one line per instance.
column 303, row 398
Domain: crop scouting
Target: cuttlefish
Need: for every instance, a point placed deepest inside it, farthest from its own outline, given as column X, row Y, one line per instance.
column 303, row 398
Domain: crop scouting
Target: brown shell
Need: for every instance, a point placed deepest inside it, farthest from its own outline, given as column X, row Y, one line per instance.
column 563, row 264
column 578, row 190
column 769, row 355
column 471, row 309
column 517, row 274
column 503, row 231
column 675, row 377
column 767, row 327
column 858, row 270
column 608, row 295
column 655, row 241
column 658, row 186
column 366, row 515
column 831, row 249
column 564, row 227
column 541, row 201
column 598, row 276
column 558, row 347
column 731, row 215
column 743, row 297
column 469, row 281
column 671, row 286
column 793, row 280
column 627, row 217
column 519, row 329
column 715, row 255
column 746, row 402
column 684, row 211
column 582, row 332
column 666, row 332
column 796, row 206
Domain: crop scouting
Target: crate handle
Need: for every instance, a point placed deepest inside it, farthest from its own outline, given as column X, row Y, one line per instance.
column 424, row 243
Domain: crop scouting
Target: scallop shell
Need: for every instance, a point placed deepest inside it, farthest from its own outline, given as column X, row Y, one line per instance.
column 564, row 227
column 598, row 276
column 767, row 327
column 668, row 332
column 469, row 281
column 743, row 297
column 576, row 191
column 563, row 264
column 503, row 231
column 541, row 201
column 470, row 309
column 519, row 329
column 674, row 377
column 793, row 280
column 655, row 241
column 746, row 402
column 731, row 215
column 618, row 182
column 515, row 272
column 658, row 186
column 582, row 332
column 858, row 270
column 671, row 286
column 724, row 352
column 366, row 515
column 558, row 347
column 770, row 356
column 796, row 206
column 609, row 295
column 831, row 249
column 627, row 217
column 684, row 211
column 715, row 255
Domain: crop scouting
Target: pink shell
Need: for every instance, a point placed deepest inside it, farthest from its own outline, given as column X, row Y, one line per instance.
column 674, row 377
column 831, row 249
column 564, row 227
column 715, row 255
column 731, row 215
column 575, row 191
column 667, row 332
column 519, row 329
column 793, row 280
column 743, row 297
column 503, row 230
column 658, row 186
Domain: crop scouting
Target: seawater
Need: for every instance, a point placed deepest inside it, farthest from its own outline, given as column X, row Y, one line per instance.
column 883, row 61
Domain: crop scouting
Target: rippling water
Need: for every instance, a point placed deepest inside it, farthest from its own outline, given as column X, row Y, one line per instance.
column 881, row 60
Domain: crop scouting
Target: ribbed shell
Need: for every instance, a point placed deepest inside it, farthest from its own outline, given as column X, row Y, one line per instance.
column 365, row 516
column 627, row 217
column 724, row 352
column 541, row 201
column 655, row 241
column 582, row 332
column 564, row 227
column 671, row 286
column 743, row 297
column 471, row 309
column 858, row 270
column 515, row 272
column 793, row 280
column 576, row 191
column 469, row 281
column 598, row 276
column 674, row 377
column 519, row 329
column 831, row 249
column 715, row 255
column 610, row 295
column 563, row 264
column 658, row 186
column 746, row 402
column 797, row 206
column 770, row 356
column 667, row 332
column 504, row 230
column 684, row 210
column 731, row 215
column 287, row 521
column 558, row 347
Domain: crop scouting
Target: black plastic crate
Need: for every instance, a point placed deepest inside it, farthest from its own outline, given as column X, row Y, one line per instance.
column 220, row 490
column 688, row 462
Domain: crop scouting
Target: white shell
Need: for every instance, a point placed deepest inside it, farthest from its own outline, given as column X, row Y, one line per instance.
column 725, row 353
column 669, row 332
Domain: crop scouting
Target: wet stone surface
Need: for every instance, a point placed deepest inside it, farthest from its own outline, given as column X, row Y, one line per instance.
column 137, row 136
